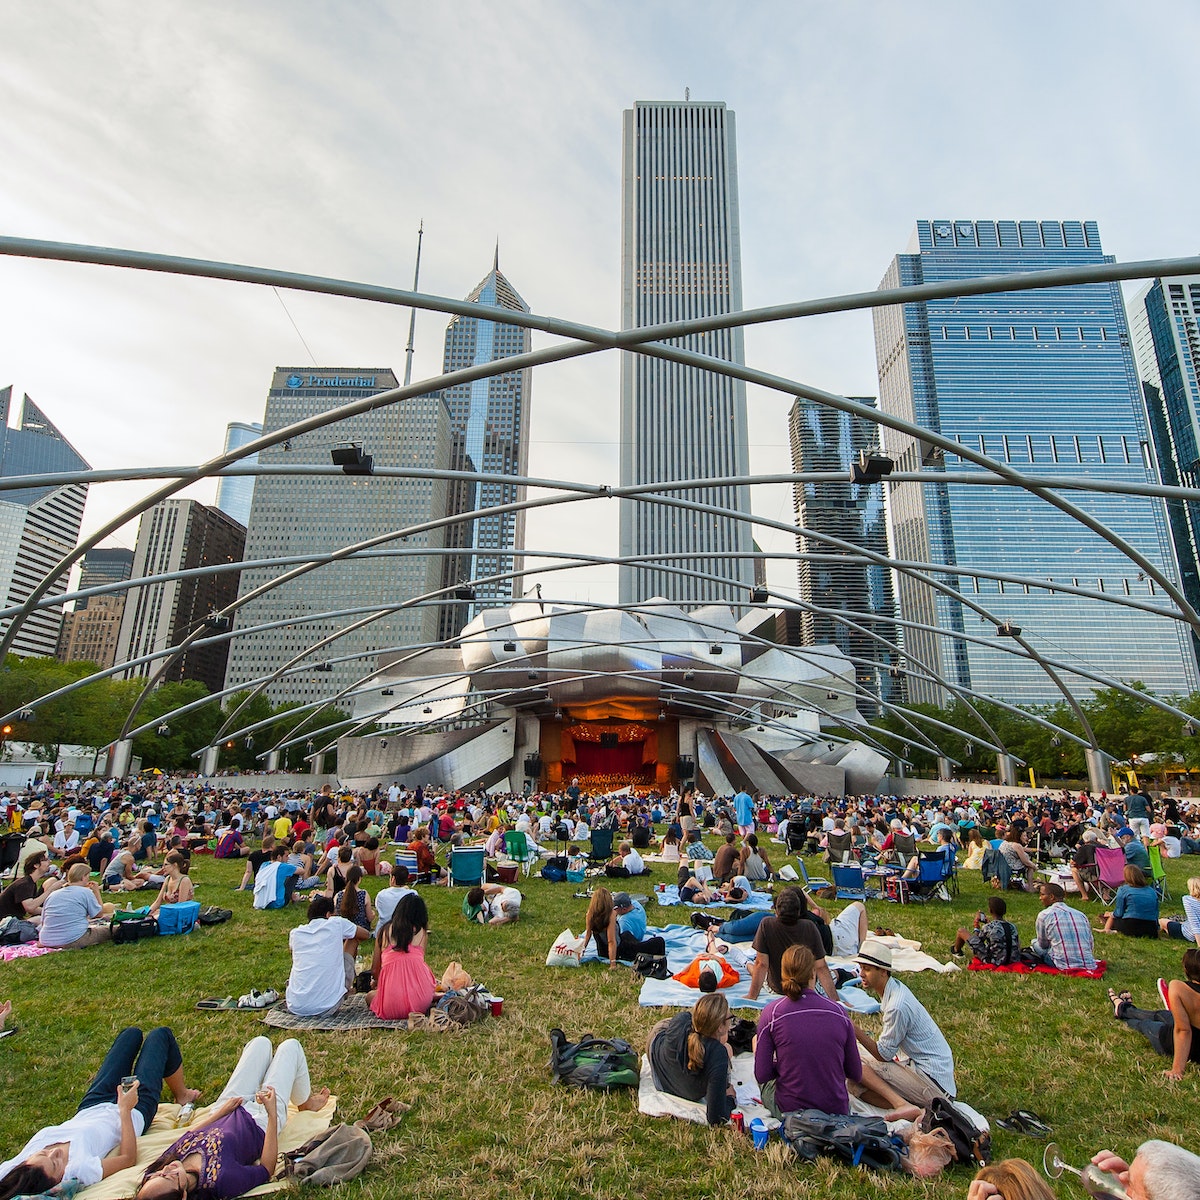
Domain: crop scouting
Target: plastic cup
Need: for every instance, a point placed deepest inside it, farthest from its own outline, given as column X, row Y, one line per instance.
column 760, row 1133
column 497, row 1003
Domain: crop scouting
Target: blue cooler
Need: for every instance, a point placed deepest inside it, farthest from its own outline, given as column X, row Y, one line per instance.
column 178, row 918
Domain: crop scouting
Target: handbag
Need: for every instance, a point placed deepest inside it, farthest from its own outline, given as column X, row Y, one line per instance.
column 651, row 966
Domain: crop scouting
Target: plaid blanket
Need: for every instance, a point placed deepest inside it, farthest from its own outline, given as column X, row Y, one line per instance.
column 352, row 1013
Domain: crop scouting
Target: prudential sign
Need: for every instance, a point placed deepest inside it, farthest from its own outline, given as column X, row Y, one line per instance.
column 330, row 381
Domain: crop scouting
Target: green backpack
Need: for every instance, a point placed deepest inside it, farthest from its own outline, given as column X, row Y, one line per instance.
column 593, row 1062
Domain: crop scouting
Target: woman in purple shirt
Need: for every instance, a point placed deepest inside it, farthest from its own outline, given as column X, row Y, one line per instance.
column 806, row 1050
column 235, row 1148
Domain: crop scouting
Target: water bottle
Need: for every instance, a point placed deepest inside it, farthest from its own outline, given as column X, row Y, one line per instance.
column 186, row 1113
column 129, row 906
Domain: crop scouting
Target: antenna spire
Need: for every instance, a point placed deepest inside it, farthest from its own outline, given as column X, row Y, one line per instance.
column 412, row 319
column 496, row 262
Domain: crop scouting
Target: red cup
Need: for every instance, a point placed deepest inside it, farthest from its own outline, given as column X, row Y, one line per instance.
column 497, row 1003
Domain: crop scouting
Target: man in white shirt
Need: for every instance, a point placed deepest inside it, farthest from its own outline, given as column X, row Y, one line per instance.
column 66, row 840
column 388, row 897
column 322, row 959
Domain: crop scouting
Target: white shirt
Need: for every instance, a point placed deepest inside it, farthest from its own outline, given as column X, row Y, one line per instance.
column 92, row 1134
column 386, row 901
column 509, row 899
column 633, row 863
column 318, row 978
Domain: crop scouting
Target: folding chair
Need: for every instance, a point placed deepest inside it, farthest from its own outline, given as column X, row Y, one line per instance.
column 904, row 846
column 466, row 866
column 602, row 843
column 10, row 851
column 811, row 883
column 840, row 847
column 1110, row 872
column 933, row 872
column 995, row 865
column 516, row 846
column 851, row 883
column 1160, row 873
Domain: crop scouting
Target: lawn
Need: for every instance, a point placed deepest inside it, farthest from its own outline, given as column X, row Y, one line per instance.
column 487, row 1124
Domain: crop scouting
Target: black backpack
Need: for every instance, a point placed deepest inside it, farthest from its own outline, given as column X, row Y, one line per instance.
column 858, row 1141
column 593, row 1062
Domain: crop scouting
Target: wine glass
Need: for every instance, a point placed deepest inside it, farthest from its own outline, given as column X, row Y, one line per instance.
column 1098, row 1183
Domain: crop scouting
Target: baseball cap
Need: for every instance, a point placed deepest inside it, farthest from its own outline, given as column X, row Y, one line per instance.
column 622, row 900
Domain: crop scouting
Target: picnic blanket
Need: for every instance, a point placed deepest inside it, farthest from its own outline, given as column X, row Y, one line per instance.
column 758, row 900
column 907, row 955
column 352, row 1013
column 162, row 1133
column 653, row 1103
column 1041, row 969
column 28, row 950
column 684, row 943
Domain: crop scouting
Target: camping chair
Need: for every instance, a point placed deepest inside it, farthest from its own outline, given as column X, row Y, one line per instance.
column 851, row 883
column 810, row 882
column 797, row 834
column 1110, row 872
column 409, row 861
column 10, row 851
column 904, row 847
column 1159, row 872
column 518, row 849
column 466, row 866
column 601, row 849
column 933, row 872
column 840, row 847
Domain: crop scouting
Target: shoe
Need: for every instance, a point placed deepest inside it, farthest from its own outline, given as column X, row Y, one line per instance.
column 1162, row 991
column 269, row 997
column 256, row 999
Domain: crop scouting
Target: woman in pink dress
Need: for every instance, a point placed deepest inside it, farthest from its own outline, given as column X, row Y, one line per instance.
column 404, row 983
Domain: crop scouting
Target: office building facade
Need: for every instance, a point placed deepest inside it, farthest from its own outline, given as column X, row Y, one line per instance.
column 1165, row 323
column 845, row 600
column 489, row 426
column 307, row 517
column 1044, row 382
column 236, row 492
column 103, row 566
column 92, row 634
column 681, row 258
column 180, row 535
column 38, row 525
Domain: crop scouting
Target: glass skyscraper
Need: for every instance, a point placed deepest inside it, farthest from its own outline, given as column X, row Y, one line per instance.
column 823, row 439
column 489, row 425
column 681, row 257
column 307, row 515
column 1165, row 321
column 236, row 492
column 38, row 526
column 1045, row 381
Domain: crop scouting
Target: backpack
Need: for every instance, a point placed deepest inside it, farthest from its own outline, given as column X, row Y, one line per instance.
column 124, row 932
column 554, row 874
column 333, row 1156
column 15, row 932
column 651, row 966
column 858, row 1141
column 603, row 1063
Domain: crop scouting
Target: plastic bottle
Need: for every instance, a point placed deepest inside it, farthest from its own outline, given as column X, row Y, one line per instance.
column 186, row 1113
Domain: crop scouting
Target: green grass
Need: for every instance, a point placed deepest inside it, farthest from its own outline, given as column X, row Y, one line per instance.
column 488, row 1124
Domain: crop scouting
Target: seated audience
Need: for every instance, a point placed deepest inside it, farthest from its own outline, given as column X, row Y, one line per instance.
column 625, row 863
column 788, row 927
column 1135, row 908
column 618, row 927
column 690, row 1057
column 1189, row 928
column 993, row 941
column 101, row 1137
column 275, row 881
column 22, row 898
column 69, row 915
column 322, row 959
column 1064, row 936
column 177, row 887
column 387, row 898
column 1175, row 1030
column 353, row 902
column 404, row 982
column 236, row 1147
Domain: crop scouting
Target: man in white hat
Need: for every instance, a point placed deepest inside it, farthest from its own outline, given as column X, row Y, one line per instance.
column 907, row 1027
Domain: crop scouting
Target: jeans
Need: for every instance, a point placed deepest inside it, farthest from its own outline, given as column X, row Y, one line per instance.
column 744, row 928
column 286, row 1072
column 1157, row 1027
column 159, row 1057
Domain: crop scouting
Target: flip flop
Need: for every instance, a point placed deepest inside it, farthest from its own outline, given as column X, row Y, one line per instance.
column 214, row 1003
column 1035, row 1126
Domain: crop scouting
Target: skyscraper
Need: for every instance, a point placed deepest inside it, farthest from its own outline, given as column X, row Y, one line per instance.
column 489, row 426
column 92, row 634
column 1044, row 381
column 823, row 439
column 107, row 564
column 38, row 525
column 316, row 515
column 235, row 492
column 1165, row 322
column 680, row 258
column 178, row 535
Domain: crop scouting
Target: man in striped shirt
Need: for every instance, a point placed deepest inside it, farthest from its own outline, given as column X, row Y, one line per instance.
column 1064, row 934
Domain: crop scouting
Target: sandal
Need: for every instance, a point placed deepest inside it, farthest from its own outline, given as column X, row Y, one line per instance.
column 416, row 1020
column 1119, row 1000
column 1035, row 1126
column 383, row 1116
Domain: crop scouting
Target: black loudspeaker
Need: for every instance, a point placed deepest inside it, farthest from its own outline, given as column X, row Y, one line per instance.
column 609, row 741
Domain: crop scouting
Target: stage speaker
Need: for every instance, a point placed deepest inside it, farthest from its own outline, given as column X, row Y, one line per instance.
column 685, row 768
column 609, row 741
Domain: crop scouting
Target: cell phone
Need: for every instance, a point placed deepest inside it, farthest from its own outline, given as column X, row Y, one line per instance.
column 127, row 1082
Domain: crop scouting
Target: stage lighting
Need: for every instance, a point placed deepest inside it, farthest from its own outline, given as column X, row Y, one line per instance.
column 350, row 457
column 870, row 468
column 1008, row 629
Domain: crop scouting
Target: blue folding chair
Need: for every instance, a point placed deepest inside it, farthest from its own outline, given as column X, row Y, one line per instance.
column 933, row 874
column 811, row 882
column 851, row 883
column 466, row 866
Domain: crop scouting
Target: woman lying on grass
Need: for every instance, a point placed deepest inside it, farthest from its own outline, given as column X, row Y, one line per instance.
column 236, row 1147
column 102, row 1135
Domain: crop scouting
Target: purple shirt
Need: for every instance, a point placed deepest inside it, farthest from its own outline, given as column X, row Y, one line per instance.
column 808, row 1047
column 229, row 1151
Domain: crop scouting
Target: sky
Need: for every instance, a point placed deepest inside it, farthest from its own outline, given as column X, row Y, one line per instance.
column 314, row 137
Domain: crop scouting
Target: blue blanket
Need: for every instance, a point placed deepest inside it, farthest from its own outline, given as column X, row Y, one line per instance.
column 758, row 900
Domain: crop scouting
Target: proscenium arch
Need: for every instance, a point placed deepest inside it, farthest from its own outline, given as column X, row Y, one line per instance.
column 1003, row 283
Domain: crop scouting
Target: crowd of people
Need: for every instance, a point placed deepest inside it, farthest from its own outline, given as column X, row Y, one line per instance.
column 809, row 1053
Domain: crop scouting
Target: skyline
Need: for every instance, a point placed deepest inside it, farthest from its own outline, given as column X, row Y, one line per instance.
column 211, row 133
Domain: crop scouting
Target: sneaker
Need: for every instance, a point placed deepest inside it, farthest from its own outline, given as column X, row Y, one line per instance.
column 250, row 1000
column 269, row 997
column 1162, row 991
